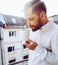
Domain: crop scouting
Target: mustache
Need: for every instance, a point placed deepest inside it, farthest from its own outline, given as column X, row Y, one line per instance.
column 31, row 25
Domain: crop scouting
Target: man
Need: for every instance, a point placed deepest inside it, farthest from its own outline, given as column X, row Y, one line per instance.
column 43, row 42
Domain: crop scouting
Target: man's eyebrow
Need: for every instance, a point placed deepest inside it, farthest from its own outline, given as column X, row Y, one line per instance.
column 30, row 18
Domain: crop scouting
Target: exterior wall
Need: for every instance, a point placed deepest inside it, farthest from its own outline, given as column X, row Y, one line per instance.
column 12, row 54
column 12, row 41
column 0, row 46
column 12, row 46
column 19, row 35
column 11, row 38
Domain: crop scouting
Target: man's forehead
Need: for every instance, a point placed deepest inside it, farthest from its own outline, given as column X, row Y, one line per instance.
column 29, row 12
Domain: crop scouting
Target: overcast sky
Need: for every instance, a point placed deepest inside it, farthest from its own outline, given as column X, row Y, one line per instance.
column 15, row 7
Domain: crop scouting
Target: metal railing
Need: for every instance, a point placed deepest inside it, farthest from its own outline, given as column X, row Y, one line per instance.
column 14, row 63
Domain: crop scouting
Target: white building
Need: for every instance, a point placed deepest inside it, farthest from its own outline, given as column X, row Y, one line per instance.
column 55, row 18
column 13, row 34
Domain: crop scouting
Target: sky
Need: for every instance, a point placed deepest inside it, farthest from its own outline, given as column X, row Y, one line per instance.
column 15, row 7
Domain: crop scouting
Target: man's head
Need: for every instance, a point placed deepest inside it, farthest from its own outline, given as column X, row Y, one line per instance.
column 35, row 13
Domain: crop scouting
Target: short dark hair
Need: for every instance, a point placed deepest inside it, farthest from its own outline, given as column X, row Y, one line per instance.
column 37, row 6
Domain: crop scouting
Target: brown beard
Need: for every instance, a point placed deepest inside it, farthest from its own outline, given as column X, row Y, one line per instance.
column 39, row 25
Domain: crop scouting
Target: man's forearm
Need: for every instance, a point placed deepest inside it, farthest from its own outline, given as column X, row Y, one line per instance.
column 46, row 54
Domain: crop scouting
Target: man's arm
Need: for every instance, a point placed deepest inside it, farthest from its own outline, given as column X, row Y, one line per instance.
column 49, row 56
column 44, row 54
column 52, row 57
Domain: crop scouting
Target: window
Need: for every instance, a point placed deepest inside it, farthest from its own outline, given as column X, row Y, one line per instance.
column 11, row 48
column 12, row 33
column 9, row 33
column 13, row 20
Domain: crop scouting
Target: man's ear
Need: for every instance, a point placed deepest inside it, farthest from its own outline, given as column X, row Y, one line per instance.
column 42, row 15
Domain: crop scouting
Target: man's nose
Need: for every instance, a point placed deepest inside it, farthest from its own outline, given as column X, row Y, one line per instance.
column 28, row 23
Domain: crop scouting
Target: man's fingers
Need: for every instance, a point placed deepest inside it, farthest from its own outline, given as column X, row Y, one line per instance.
column 28, row 41
column 26, row 44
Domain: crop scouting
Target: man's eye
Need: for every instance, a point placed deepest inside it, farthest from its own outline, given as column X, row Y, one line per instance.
column 30, row 19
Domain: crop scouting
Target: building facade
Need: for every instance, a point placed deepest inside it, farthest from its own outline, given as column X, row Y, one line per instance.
column 13, row 34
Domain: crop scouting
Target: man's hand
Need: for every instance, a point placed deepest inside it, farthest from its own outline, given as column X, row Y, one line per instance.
column 30, row 44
